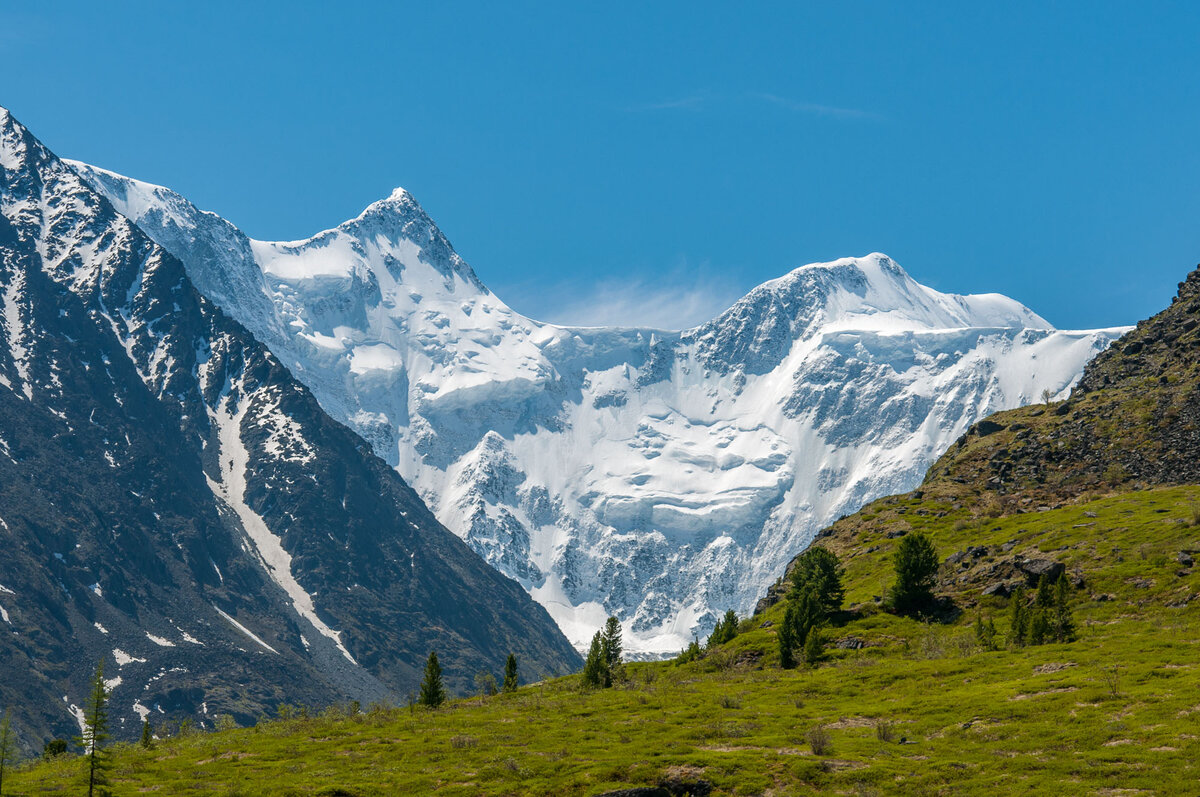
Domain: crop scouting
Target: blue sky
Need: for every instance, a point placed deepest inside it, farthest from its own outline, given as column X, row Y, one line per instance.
column 616, row 163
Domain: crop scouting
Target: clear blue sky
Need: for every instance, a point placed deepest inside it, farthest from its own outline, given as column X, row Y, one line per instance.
column 606, row 162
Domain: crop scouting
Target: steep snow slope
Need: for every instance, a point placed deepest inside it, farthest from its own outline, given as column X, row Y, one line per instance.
column 662, row 476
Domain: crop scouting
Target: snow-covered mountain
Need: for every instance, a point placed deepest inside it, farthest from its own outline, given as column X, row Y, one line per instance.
column 174, row 503
column 659, row 475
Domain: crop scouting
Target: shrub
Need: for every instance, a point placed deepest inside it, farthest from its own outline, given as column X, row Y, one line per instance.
column 885, row 731
column 819, row 740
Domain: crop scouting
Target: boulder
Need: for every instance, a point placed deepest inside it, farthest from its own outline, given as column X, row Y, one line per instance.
column 1034, row 569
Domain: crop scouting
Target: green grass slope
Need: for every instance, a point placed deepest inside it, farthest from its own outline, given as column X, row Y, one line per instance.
column 918, row 709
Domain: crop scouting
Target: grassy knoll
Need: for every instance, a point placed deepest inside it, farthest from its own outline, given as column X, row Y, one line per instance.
column 919, row 709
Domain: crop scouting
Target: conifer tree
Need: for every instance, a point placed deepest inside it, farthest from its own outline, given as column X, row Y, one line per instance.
column 8, row 744
column 787, row 638
column 916, row 567
column 1039, row 625
column 1018, row 618
column 985, row 632
column 95, row 733
column 510, row 674
column 147, row 736
column 819, row 569
column 1064, row 622
column 814, row 646
column 593, row 665
column 725, row 629
column 610, row 647
column 433, row 692
column 809, row 615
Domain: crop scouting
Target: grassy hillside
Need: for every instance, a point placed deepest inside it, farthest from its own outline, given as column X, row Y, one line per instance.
column 918, row 709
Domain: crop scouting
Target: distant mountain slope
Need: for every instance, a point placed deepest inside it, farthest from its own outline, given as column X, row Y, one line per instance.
column 662, row 476
column 174, row 502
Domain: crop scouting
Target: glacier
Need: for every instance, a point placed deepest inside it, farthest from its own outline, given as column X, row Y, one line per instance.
column 662, row 476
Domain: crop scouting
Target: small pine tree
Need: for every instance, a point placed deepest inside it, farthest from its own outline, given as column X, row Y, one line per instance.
column 1045, row 594
column 725, row 630
column 593, row 666
column 787, row 638
column 95, row 733
column 53, row 748
column 147, row 735
column 1064, row 621
column 433, row 693
column 8, row 744
column 691, row 653
column 985, row 633
column 814, row 646
column 819, row 569
column 610, row 648
column 510, row 674
column 1039, row 625
column 916, row 566
column 809, row 614
column 1018, row 619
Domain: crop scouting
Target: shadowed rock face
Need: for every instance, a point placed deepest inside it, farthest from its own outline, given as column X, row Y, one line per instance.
column 661, row 476
column 173, row 502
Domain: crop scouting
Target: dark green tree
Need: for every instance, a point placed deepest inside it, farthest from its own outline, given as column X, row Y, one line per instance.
column 95, row 733
column 595, row 673
column 692, row 652
column 610, row 648
column 916, row 567
column 433, row 692
column 814, row 647
column 147, row 735
column 510, row 674
column 1063, row 621
column 809, row 615
column 8, row 745
column 819, row 569
column 1018, row 618
column 725, row 630
column 787, row 637
column 54, row 748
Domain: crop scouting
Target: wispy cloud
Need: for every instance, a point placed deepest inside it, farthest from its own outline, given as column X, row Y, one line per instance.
column 678, row 298
column 701, row 101
column 692, row 102
column 816, row 109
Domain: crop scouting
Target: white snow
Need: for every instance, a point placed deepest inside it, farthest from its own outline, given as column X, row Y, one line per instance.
column 161, row 642
column 122, row 658
column 100, row 628
column 246, row 631
column 665, row 476
column 4, row 615
column 269, row 548
column 140, row 710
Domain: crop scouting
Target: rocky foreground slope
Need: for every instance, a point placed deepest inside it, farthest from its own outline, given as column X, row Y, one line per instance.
column 173, row 502
column 662, row 476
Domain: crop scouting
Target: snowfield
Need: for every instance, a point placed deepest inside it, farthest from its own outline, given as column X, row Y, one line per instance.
column 662, row 476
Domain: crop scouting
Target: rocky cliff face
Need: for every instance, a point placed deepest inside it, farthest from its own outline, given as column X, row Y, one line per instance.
column 173, row 502
column 661, row 476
